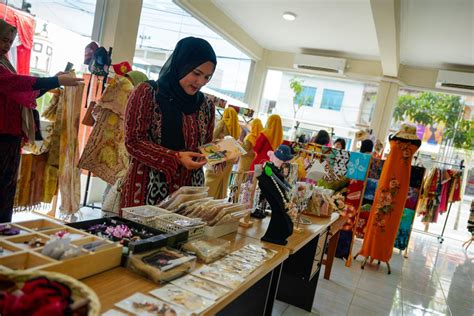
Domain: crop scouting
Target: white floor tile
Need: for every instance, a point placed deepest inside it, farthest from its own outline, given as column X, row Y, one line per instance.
column 415, row 311
column 378, row 304
column 278, row 308
column 295, row 311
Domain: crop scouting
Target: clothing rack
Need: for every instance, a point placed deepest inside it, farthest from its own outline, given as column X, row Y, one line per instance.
column 441, row 163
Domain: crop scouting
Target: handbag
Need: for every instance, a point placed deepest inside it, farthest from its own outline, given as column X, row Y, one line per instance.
column 88, row 118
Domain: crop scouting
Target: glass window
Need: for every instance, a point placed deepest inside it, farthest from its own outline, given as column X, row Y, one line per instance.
column 163, row 24
column 307, row 96
column 332, row 99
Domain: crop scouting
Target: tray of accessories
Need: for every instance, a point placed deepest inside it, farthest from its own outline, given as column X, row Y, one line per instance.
column 135, row 237
column 51, row 246
column 190, row 292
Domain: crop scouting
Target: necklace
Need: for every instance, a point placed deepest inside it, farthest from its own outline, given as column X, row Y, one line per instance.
column 282, row 194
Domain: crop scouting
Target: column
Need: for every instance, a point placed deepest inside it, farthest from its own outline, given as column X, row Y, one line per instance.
column 256, row 82
column 119, row 28
column 387, row 97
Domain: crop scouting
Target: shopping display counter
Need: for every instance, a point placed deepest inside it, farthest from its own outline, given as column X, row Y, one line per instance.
column 290, row 276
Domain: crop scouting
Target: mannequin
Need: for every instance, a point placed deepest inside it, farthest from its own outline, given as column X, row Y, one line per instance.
column 390, row 197
column 274, row 188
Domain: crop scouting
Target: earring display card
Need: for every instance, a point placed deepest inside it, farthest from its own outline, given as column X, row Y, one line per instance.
column 232, row 280
column 186, row 300
column 144, row 305
column 201, row 287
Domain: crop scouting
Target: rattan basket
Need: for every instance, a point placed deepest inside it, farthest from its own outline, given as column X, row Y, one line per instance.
column 79, row 290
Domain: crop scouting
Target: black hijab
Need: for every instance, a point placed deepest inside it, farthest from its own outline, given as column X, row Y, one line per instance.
column 189, row 53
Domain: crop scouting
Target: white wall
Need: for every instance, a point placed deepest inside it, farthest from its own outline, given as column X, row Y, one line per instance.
column 346, row 117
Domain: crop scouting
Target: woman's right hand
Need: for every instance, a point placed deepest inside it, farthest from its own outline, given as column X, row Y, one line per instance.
column 187, row 160
column 67, row 80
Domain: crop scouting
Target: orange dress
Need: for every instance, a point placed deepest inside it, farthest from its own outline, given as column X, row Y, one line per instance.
column 389, row 201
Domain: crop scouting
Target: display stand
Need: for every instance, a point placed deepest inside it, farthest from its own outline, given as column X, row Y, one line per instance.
column 236, row 180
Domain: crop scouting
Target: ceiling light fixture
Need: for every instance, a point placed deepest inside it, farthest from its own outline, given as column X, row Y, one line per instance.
column 289, row 16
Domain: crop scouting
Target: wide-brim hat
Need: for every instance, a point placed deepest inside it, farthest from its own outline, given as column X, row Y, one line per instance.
column 361, row 135
column 407, row 131
column 283, row 152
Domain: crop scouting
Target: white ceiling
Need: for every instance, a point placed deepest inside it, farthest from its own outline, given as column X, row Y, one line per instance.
column 437, row 32
column 433, row 33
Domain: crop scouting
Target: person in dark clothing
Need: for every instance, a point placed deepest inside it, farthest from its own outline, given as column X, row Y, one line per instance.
column 18, row 95
column 367, row 146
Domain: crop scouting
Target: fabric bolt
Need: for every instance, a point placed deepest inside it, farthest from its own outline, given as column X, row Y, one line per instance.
column 358, row 166
column 404, row 230
column 390, row 199
column 341, row 161
column 10, row 147
column 69, row 173
column 154, row 170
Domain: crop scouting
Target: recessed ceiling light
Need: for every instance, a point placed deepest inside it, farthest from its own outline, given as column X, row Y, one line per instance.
column 289, row 16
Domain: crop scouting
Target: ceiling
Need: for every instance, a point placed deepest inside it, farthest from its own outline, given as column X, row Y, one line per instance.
column 432, row 33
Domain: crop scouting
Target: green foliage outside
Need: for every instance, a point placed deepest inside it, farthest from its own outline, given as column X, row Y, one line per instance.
column 296, row 85
column 429, row 108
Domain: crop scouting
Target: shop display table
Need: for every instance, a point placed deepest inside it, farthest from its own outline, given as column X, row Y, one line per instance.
column 253, row 297
column 300, row 272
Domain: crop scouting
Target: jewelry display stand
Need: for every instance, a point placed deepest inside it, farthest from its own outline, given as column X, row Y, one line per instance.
column 280, row 226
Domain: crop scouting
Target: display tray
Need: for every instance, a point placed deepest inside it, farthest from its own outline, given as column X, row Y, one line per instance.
column 150, row 238
column 24, row 250
column 221, row 230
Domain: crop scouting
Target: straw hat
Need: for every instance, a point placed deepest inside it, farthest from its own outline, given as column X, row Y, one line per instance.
column 361, row 135
column 407, row 131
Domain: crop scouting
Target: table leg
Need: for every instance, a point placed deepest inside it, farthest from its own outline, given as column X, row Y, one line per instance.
column 330, row 255
column 272, row 291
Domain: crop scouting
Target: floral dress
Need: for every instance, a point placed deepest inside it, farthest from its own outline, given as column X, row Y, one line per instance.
column 389, row 201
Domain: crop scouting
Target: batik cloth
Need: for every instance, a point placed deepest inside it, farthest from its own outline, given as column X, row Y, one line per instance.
column 404, row 230
column 358, row 166
column 69, row 173
column 376, row 168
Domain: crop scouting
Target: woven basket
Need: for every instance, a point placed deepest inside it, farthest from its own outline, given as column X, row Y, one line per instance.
column 79, row 289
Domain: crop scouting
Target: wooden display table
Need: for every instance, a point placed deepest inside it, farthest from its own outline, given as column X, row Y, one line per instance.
column 300, row 272
column 252, row 297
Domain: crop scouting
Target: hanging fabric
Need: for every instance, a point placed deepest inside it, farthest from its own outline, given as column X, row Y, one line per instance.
column 105, row 154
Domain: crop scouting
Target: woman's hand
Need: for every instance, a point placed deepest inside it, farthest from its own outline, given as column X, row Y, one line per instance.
column 191, row 160
column 67, row 80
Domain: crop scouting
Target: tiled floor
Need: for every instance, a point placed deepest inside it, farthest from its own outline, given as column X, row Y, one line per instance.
column 434, row 280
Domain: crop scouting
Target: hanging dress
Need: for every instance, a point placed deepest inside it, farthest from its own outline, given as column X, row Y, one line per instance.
column 389, row 201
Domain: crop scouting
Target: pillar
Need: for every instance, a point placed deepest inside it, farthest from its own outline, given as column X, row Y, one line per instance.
column 119, row 28
column 256, row 82
column 387, row 97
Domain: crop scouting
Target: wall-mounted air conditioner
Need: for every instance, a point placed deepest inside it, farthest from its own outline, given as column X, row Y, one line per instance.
column 320, row 63
column 455, row 80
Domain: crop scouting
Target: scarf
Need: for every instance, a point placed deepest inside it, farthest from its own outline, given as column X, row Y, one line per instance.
column 136, row 77
column 255, row 131
column 174, row 102
column 274, row 131
column 231, row 121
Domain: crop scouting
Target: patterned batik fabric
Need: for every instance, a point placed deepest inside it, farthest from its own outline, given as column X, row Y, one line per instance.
column 412, row 198
column 358, row 166
column 370, row 189
column 341, row 160
column 376, row 168
column 105, row 154
column 154, row 170
column 404, row 230
column 69, row 173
